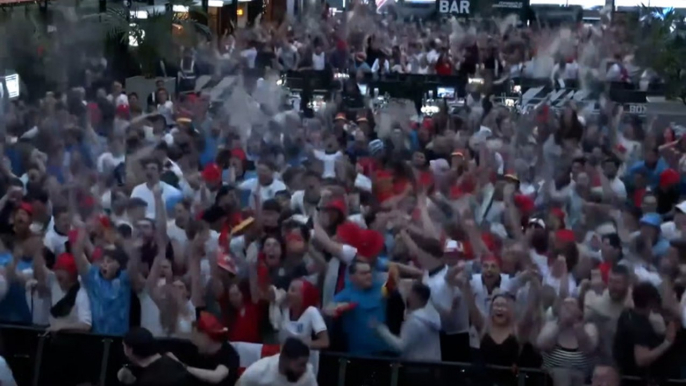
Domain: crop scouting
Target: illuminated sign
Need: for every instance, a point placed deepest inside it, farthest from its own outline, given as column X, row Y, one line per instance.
column 454, row 7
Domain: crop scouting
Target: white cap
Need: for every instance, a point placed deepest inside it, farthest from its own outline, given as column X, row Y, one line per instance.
column 537, row 221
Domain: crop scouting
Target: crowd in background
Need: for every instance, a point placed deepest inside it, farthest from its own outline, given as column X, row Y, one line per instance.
column 550, row 240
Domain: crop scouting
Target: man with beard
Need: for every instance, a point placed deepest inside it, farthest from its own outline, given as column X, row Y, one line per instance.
column 483, row 285
column 604, row 308
column 289, row 368
column 610, row 168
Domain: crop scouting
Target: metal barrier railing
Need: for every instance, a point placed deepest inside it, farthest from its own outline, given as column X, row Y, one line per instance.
column 38, row 358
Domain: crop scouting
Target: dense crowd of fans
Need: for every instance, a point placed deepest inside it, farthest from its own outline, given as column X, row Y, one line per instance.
column 547, row 240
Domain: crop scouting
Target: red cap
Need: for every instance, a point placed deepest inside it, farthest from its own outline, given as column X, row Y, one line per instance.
column 226, row 262
column 26, row 207
column 212, row 173
column 238, row 153
column 369, row 244
column 339, row 205
column 66, row 262
column 565, row 236
column 669, row 178
column 210, row 325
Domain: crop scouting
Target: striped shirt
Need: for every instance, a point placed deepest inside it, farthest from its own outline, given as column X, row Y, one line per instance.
column 572, row 359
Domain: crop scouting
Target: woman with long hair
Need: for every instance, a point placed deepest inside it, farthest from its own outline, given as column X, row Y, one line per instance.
column 502, row 334
column 171, row 295
column 299, row 315
column 243, row 314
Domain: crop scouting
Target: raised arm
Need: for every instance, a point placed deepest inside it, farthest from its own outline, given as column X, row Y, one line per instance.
column 41, row 272
column 156, row 271
column 197, row 293
column 82, row 263
column 423, row 257
column 342, row 252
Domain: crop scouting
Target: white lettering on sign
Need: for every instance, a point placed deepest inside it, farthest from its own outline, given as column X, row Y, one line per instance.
column 637, row 109
column 460, row 7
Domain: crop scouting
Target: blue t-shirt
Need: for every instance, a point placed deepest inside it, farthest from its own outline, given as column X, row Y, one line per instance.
column 652, row 174
column 371, row 305
column 110, row 302
column 210, row 152
column 14, row 308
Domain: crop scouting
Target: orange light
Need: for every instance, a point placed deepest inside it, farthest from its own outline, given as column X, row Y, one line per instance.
column 239, row 12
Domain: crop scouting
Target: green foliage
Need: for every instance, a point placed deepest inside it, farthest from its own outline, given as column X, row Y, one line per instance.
column 47, row 55
column 158, row 36
column 661, row 46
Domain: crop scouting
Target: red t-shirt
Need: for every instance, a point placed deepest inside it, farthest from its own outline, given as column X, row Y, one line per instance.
column 244, row 326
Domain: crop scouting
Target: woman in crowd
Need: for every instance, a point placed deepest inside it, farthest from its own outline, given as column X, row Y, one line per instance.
column 567, row 344
column 244, row 317
column 299, row 315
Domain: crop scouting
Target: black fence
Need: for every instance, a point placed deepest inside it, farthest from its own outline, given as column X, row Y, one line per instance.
column 66, row 359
